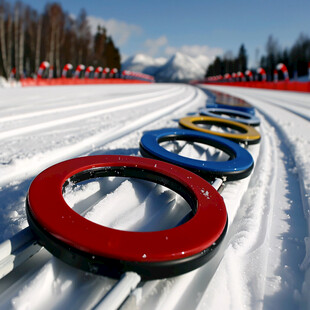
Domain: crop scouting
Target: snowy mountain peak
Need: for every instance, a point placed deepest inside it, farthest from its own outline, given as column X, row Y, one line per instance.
column 182, row 60
column 179, row 68
column 143, row 63
column 179, row 57
column 145, row 59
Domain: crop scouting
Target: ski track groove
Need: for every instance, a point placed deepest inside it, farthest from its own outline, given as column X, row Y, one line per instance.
column 287, row 99
column 85, row 105
column 288, row 300
column 299, row 114
column 79, row 117
column 251, row 224
column 21, row 97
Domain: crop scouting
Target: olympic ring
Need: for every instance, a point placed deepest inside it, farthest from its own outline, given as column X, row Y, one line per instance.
column 242, row 107
column 249, row 135
column 102, row 250
column 233, row 115
column 225, row 101
column 237, row 167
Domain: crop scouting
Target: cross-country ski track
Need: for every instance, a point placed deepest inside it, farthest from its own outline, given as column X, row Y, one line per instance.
column 264, row 260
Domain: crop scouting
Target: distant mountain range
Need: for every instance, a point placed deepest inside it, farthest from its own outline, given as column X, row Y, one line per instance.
column 179, row 68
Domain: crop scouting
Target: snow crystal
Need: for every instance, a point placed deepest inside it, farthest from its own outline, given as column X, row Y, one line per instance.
column 205, row 193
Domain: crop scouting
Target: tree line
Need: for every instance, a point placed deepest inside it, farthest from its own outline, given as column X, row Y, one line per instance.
column 295, row 58
column 27, row 38
column 228, row 63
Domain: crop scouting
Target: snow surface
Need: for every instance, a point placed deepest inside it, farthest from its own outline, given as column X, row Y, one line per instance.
column 265, row 257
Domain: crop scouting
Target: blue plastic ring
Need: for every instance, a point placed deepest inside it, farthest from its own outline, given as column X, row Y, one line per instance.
column 234, row 115
column 237, row 167
column 246, row 109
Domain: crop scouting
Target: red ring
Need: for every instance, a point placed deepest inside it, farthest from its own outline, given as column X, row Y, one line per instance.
column 49, row 209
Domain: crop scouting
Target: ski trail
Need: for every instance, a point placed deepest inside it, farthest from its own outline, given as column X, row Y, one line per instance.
column 82, row 116
column 283, row 283
column 287, row 267
column 264, row 260
column 21, row 170
column 26, row 99
column 85, row 105
column 282, row 97
column 248, row 232
column 301, row 112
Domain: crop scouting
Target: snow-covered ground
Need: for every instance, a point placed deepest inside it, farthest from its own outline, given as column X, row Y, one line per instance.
column 265, row 257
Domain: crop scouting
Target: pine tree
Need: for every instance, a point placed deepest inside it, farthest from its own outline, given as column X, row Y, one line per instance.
column 28, row 38
column 242, row 59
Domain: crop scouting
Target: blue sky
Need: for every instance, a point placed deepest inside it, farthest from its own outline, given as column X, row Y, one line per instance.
column 160, row 28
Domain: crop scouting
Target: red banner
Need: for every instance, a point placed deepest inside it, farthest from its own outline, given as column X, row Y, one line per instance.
column 282, row 85
column 73, row 81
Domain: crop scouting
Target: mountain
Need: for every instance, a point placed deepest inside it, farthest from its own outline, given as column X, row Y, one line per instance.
column 143, row 63
column 179, row 68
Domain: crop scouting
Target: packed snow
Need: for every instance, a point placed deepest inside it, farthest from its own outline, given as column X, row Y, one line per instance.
column 264, row 260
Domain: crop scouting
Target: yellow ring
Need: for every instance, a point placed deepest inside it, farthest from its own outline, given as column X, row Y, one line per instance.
column 249, row 135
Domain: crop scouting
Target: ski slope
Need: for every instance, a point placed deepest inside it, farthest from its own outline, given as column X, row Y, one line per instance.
column 264, row 260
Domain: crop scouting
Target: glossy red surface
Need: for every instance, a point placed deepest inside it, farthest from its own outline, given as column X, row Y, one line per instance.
column 49, row 209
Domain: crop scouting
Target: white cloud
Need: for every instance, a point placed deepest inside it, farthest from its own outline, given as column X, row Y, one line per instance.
column 119, row 30
column 153, row 45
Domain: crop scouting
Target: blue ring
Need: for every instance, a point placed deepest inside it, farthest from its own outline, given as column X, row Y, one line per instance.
column 250, row 110
column 248, row 119
column 237, row 167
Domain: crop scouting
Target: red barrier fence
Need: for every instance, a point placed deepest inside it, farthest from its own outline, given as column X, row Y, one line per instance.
column 73, row 81
column 282, row 85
